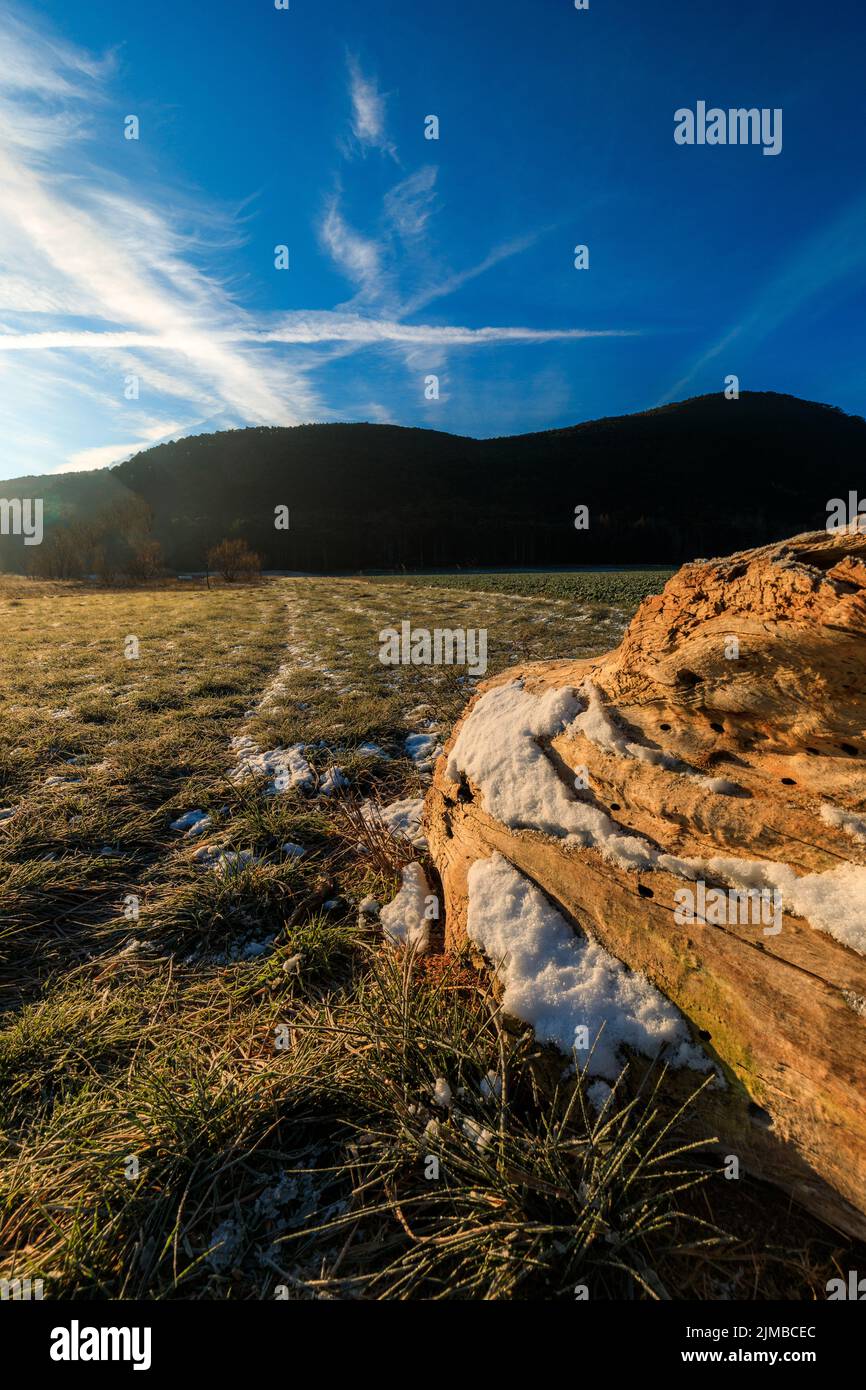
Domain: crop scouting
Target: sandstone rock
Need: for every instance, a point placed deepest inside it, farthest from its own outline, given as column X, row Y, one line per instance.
column 729, row 725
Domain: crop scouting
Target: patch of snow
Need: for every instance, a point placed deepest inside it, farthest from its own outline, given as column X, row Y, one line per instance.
column 225, row 861
column 287, row 768
column 225, row 1245
column 477, row 1133
column 195, row 822
column 333, row 781
column 598, row 1093
column 491, row 1086
column 403, row 918
column 401, row 818
column 252, row 949
column 442, row 1093
column 372, row 750
column 558, row 983
column 423, row 749
column 721, row 785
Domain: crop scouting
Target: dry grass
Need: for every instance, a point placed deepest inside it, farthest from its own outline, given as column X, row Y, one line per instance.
column 228, row 1091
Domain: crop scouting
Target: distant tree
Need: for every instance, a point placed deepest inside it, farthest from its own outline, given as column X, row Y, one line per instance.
column 103, row 566
column 146, row 561
column 234, row 560
column 65, row 553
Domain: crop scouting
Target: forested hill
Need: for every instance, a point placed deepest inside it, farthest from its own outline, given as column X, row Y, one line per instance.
column 700, row 478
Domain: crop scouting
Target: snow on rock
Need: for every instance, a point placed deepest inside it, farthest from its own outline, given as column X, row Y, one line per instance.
column 557, row 982
column 833, row 901
column 498, row 748
column 403, row 919
column 722, row 786
column 597, row 723
column 855, row 826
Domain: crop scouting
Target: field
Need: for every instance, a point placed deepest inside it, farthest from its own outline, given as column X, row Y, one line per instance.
column 216, row 1079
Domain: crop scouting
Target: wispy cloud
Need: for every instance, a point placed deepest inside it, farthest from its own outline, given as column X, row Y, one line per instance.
column 102, row 278
column 368, row 110
column 359, row 257
column 83, row 241
column 312, row 328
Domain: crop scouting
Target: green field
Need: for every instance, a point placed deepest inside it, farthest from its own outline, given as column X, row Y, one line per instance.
column 622, row 588
column 216, row 1079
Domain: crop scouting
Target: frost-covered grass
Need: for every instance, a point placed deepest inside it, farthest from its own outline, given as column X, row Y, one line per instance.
column 239, row 1089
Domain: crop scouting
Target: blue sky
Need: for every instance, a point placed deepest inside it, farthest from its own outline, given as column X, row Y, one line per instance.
column 412, row 258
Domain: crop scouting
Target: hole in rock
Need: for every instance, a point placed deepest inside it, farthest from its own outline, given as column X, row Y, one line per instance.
column 719, row 728
column 849, row 749
column 789, row 782
column 759, row 1116
column 686, row 677
column 704, row 1035
column 614, row 806
column 721, row 755
column 645, row 892
column 665, row 727
column 464, row 791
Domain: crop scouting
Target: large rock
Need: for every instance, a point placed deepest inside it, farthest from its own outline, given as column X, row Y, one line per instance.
column 729, row 725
